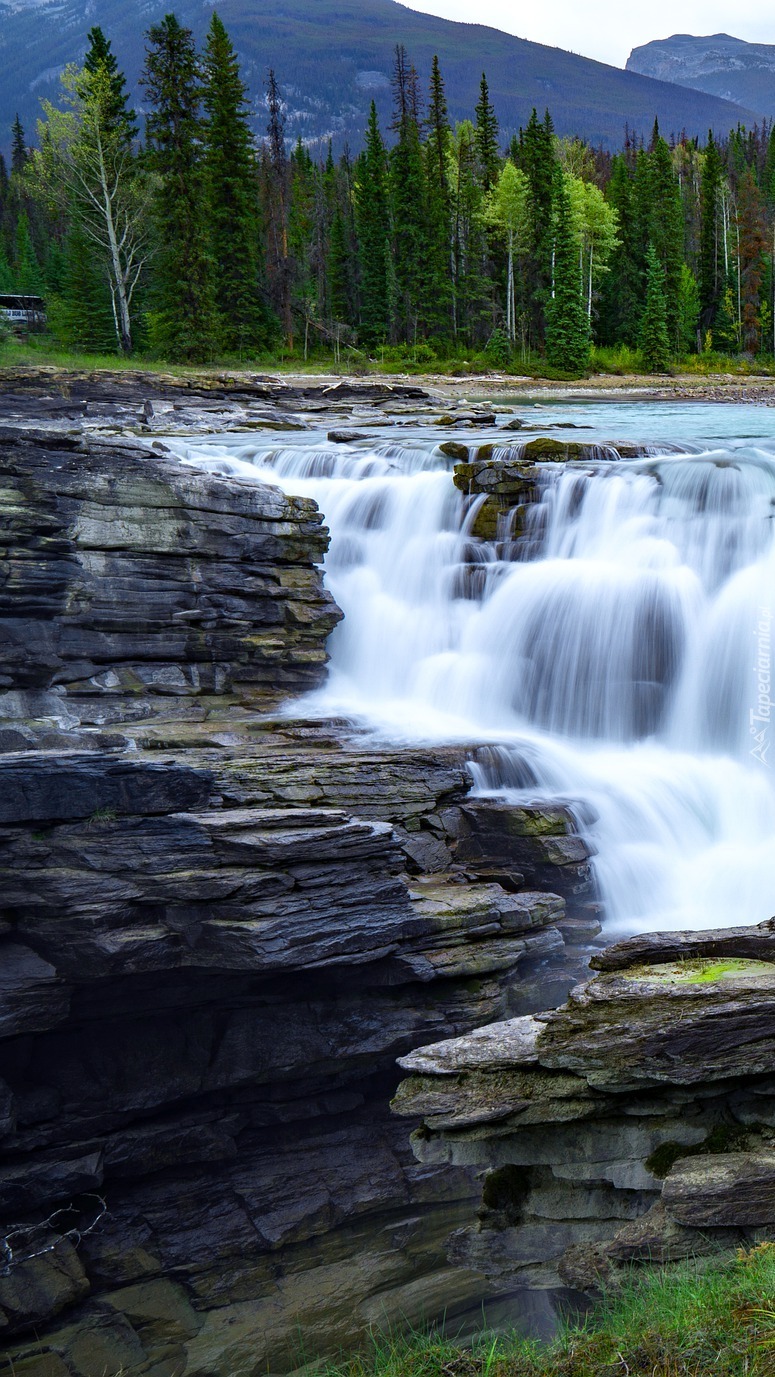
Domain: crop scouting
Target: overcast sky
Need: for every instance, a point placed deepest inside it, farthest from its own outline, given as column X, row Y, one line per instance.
column 608, row 29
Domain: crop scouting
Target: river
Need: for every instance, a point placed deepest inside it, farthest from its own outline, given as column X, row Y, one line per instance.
column 617, row 657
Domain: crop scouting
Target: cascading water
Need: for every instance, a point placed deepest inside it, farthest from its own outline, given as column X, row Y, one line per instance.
column 623, row 665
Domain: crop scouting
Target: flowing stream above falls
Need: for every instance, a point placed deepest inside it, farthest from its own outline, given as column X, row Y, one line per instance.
column 617, row 656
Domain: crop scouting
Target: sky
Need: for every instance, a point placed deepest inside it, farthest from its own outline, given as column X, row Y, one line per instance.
column 609, row 29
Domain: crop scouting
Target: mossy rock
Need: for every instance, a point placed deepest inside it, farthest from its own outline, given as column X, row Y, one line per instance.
column 557, row 450
column 485, row 523
column 702, row 971
column 454, row 450
column 485, row 451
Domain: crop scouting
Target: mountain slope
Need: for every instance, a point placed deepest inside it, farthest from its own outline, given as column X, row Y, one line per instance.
column 718, row 65
column 333, row 56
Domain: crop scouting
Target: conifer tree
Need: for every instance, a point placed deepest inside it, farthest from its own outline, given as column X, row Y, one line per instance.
column 27, row 270
column 232, row 200
column 83, row 317
column 19, row 150
column 7, row 281
column 621, row 294
column 567, row 326
column 339, row 287
column 119, row 115
column 438, row 287
column 663, row 216
column 654, row 339
column 372, row 210
column 184, row 321
column 536, row 158
column 409, row 200
column 277, row 202
column 711, row 267
column 487, row 136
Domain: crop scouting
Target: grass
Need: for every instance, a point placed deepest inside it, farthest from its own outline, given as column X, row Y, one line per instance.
column 697, row 1319
column 423, row 359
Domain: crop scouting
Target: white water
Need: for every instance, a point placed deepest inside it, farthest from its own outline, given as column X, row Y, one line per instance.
column 618, row 668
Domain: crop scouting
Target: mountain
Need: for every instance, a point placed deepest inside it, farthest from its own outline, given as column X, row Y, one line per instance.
column 333, row 56
column 718, row 65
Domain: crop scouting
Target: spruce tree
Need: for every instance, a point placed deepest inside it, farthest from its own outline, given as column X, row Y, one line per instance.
column 663, row 216
column 372, row 211
column 621, row 295
column 27, row 270
column 339, row 286
column 409, row 201
column 120, row 115
column 567, row 325
column 537, row 160
column 711, row 266
column 276, row 175
column 183, row 325
column 19, row 150
column 654, row 339
column 487, row 136
column 245, row 323
column 83, row 317
column 438, row 288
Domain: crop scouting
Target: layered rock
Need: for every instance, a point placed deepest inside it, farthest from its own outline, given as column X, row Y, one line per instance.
column 635, row 1124
column 126, row 579
column 218, row 930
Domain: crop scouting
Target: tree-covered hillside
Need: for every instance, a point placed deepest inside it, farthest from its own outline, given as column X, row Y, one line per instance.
column 189, row 238
column 333, row 56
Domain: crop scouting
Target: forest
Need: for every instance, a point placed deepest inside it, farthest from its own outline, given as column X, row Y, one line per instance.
column 190, row 241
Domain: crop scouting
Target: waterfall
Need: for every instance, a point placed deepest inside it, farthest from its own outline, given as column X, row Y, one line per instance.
column 620, row 662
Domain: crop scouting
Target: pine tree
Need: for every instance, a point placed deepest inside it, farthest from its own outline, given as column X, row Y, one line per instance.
column 438, row 289
column 19, row 150
column 82, row 316
column 409, row 200
column 537, row 160
column 622, row 290
column 654, row 340
column 277, row 203
column 339, row 287
column 184, row 321
column 372, row 210
column 487, row 137
column 27, row 270
column 120, row 115
column 663, row 216
column 230, row 170
column 711, row 267
column 567, row 326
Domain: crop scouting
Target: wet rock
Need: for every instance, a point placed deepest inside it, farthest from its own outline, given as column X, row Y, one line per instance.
column 346, row 437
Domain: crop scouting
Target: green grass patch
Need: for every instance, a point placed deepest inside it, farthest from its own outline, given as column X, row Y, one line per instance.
column 697, row 1319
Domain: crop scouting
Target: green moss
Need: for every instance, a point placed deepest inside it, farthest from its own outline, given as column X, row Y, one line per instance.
column 701, row 971
column 454, row 450
column 722, row 1138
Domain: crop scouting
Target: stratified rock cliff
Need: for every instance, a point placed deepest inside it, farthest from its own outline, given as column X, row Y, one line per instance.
column 218, row 929
column 634, row 1125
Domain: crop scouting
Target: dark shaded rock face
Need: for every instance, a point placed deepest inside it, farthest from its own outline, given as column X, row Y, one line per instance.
column 126, row 578
column 217, row 932
column 634, row 1125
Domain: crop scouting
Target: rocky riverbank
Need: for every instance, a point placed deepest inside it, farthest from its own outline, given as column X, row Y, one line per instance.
column 221, row 924
column 218, row 930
